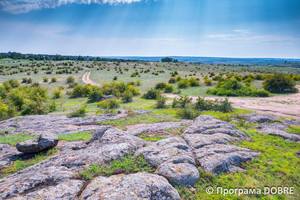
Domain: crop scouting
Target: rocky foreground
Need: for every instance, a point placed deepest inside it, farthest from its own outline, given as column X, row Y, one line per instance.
column 206, row 143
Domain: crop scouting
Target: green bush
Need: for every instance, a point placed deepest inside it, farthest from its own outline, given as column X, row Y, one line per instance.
column 70, row 80
column 127, row 96
column 187, row 113
column 182, row 102
column 208, row 82
column 6, row 111
column 52, row 106
column 234, row 88
column 151, row 94
column 57, row 94
column 109, row 104
column 45, row 79
column 183, row 83
column 95, row 94
column 81, row 112
column 279, row 83
column 53, row 80
column 161, row 102
column 193, row 82
column 169, row 89
column 160, row 86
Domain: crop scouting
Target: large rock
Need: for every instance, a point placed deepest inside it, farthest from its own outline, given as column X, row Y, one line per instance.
column 44, row 142
column 276, row 128
column 72, row 158
column 33, row 178
column 57, row 125
column 144, row 128
column 260, row 118
column 138, row 186
column 67, row 190
column 7, row 155
column 182, row 174
column 220, row 158
column 209, row 139
column 169, row 155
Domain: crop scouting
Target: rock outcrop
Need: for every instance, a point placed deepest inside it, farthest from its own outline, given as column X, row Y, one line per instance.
column 174, row 160
column 209, row 137
column 134, row 186
column 204, row 144
column 160, row 126
column 273, row 125
column 44, row 142
column 57, row 125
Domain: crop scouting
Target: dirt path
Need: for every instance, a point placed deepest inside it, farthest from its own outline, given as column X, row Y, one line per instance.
column 86, row 79
column 284, row 105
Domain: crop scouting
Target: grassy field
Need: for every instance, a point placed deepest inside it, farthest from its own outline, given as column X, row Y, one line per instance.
column 277, row 165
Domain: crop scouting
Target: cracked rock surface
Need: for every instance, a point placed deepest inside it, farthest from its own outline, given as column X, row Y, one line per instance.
column 134, row 186
column 276, row 128
column 57, row 125
column 209, row 137
column 205, row 144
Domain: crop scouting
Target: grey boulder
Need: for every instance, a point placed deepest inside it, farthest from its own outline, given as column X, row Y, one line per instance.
column 134, row 186
column 44, row 142
column 182, row 174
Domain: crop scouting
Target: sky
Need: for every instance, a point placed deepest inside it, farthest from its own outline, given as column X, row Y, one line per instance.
column 207, row 28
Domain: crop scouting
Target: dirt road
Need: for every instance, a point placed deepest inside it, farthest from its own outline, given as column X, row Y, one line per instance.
column 86, row 79
column 284, row 105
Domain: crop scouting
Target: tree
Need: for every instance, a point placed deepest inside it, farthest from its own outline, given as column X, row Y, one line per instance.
column 168, row 59
column 279, row 83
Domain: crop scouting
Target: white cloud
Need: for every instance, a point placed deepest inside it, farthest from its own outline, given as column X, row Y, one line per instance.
column 24, row 6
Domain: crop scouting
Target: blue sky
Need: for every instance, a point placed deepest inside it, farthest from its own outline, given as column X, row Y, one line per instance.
column 217, row 28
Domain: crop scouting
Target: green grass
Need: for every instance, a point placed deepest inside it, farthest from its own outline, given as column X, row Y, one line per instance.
column 76, row 136
column 150, row 138
column 13, row 139
column 294, row 129
column 137, row 119
column 277, row 166
column 20, row 164
column 126, row 165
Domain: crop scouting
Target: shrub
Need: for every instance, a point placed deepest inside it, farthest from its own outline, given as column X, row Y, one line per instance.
column 57, row 94
column 151, row 94
column 12, row 83
column 70, row 80
column 183, row 83
column 193, row 82
column 81, row 112
column 160, row 86
column 127, row 96
column 35, row 108
column 161, row 102
column 202, row 104
column 182, row 102
column 115, row 78
column 7, row 111
column 169, row 89
column 279, row 83
column 234, row 88
column 53, row 80
column 208, row 82
column 109, row 103
column 223, row 106
column 187, row 113
column 45, row 79
column 172, row 81
column 52, row 106
column 95, row 94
